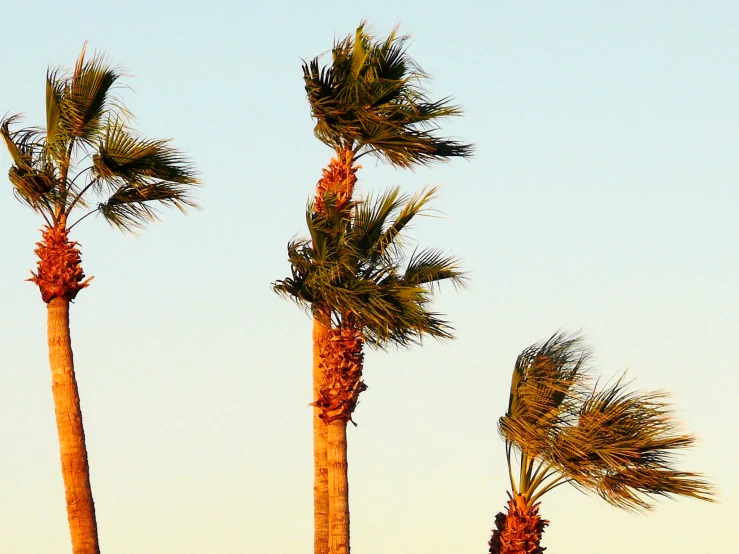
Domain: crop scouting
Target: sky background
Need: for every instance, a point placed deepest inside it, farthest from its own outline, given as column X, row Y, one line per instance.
column 602, row 197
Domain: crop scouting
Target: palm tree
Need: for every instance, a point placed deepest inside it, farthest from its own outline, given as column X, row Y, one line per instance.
column 353, row 275
column 86, row 161
column 565, row 428
column 369, row 100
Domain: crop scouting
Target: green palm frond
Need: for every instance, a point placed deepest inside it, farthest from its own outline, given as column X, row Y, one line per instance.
column 353, row 266
column 55, row 89
column 622, row 445
column 34, row 179
column 132, row 206
column 371, row 221
column 379, row 224
column 122, row 157
column 35, row 189
column 88, row 98
column 25, row 145
column 431, row 267
column 371, row 100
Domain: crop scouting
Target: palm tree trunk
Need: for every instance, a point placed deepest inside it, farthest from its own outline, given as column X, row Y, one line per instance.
column 338, row 491
column 320, row 463
column 75, row 469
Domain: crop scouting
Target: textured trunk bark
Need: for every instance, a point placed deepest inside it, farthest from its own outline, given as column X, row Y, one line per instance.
column 518, row 531
column 338, row 489
column 320, row 463
column 75, row 469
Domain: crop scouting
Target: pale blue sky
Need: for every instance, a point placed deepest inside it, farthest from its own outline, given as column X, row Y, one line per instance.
column 603, row 197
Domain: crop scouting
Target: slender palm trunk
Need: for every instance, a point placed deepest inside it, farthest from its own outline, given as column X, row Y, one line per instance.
column 320, row 463
column 341, row 386
column 338, row 490
column 330, row 486
column 520, row 530
column 75, row 469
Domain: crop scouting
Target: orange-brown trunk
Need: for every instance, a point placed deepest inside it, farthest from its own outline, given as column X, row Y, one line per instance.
column 340, row 178
column 73, row 452
column 341, row 361
column 338, row 488
column 520, row 530
column 320, row 464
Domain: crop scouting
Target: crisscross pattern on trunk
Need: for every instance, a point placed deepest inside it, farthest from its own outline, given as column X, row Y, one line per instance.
column 341, row 359
column 340, row 177
column 520, row 530
column 60, row 272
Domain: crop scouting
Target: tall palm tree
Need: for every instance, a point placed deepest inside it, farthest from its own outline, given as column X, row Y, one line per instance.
column 355, row 277
column 565, row 428
column 86, row 161
column 369, row 100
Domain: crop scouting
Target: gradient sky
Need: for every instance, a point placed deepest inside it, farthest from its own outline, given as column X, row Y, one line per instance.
column 602, row 197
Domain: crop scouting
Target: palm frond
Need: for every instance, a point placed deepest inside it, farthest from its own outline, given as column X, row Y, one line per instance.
column 54, row 99
column 23, row 145
column 632, row 489
column 33, row 178
column 132, row 206
column 88, row 98
column 123, row 157
column 431, row 267
column 546, row 386
column 404, row 211
column 368, row 232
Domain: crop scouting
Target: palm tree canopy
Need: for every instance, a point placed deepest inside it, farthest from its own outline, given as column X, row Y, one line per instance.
column 621, row 444
column 86, row 121
column 354, row 266
column 371, row 100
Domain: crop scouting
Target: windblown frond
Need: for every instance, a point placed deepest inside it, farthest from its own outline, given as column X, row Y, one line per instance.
column 432, row 267
column 133, row 205
column 88, row 101
column 371, row 100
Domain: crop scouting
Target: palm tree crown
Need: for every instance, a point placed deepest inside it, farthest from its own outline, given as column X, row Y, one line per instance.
column 371, row 100
column 355, row 267
column 87, row 122
column 620, row 444
column 565, row 428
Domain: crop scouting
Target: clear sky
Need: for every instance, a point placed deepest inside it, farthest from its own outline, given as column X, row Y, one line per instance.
column 602, row 197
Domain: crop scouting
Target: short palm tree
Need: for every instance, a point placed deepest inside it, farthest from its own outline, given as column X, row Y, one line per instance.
column 86, row 161
column 369, row 100
column 355, row 278
column 563, row 428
